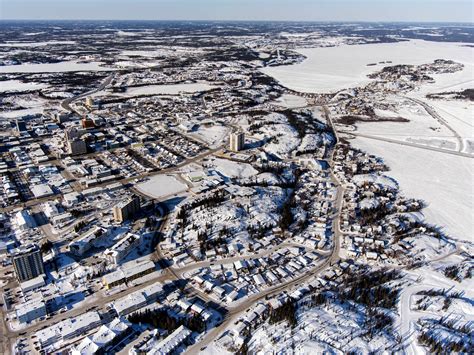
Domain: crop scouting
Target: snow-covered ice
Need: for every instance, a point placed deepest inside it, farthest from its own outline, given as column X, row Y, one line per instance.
column 442, row 180
column 330, row 69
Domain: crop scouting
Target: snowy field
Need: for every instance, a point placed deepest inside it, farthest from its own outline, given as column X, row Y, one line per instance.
column 444, row 181
column 291, row 101
column 16, row 85
column 69, row 66
column 172, row 89
column 213, row 135
column 422, row 128
column 232, row 169
column 160, row 186
column 335, row 68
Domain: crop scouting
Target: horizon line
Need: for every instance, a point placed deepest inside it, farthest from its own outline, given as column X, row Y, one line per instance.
column 243, row 20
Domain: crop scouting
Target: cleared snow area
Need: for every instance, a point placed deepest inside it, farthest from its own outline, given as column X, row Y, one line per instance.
column 59, row 67
column 443, row 181
column 21, row 113
column 291, row 101
column 160, row 186
column 232, row 169
column 213, row 135
column 330, row 69
column 172, row 89
column 16, row 85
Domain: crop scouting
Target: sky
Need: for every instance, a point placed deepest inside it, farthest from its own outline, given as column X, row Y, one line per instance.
column 294, row 10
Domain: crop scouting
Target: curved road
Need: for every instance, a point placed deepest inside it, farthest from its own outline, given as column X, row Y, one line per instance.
column 236, row 311
column 66, row 104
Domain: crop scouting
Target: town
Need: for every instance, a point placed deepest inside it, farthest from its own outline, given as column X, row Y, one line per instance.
column 182, row 200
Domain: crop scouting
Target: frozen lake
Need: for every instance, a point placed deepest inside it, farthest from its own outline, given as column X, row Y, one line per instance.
column 331, row 69
column 443, row 181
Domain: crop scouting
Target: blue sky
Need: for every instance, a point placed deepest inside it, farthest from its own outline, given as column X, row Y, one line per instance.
column 303, row 10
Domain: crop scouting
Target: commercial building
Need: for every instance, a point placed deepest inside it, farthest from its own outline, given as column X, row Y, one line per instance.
column 28, row 263
column 76, row 146
column 32, row 284
column 107, row 336
column 72, row 133
column 68, row 328
column 31, row 310
column 128, row 272
column 237, row 141
column 24, row 220
column 126, row 209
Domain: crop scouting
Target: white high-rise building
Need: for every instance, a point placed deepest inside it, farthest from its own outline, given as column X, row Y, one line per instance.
column 237, row 141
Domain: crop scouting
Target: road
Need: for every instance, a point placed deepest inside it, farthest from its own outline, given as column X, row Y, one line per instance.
column 66, row 104
column 172, row 274
column 409, row 144
column 432, row 112
column 236, row 311
column 36, row 201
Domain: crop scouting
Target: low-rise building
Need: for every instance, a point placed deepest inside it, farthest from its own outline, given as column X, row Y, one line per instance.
column 122, row 248
column 87, row 240
column 128, row 272
column 31, row 310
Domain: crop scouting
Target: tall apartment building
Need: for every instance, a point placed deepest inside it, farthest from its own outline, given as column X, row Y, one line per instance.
column 20, row 125
column 28, row 263
column 237, row 141
column 72, row 133
column 126, row 209
column 77, row 146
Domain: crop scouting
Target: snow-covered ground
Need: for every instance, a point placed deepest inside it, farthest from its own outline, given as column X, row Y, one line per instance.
column 232, row 169
column 421, row 128
column 334, row 68
column 173, row 89
column 444, row 181
column 213, row 135
column 16, row 85
column 68, row 66
column 291, row 101
column 34, row 44
column 160, row 186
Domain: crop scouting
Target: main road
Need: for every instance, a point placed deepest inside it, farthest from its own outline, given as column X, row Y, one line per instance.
column 66, row 104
